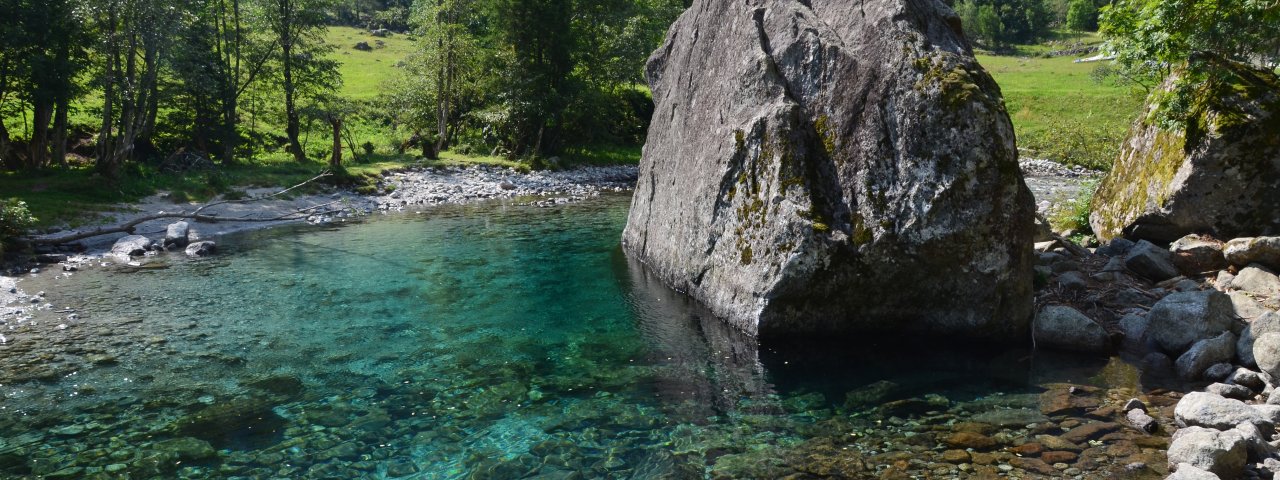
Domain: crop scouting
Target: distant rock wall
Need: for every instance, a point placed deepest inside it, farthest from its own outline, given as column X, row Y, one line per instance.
column 1220, row 176
column 833, row 166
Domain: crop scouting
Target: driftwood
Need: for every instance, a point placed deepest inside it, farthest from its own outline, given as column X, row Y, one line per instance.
column 197, row 215
column 1064, row 242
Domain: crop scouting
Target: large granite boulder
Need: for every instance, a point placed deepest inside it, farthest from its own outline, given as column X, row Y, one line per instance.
column 1220, row 174
column 831, row 166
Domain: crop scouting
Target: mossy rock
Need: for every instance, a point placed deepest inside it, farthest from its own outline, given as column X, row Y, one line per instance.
column 1218, row 173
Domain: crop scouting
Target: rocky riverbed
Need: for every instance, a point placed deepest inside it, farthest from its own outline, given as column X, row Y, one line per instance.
column 1067, row 425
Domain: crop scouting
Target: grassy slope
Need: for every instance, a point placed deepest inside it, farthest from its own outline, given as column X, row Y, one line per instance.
column 365, row 72
column 1058, row 110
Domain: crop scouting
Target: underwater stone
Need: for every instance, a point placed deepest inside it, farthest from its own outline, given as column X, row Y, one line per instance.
column 774, row 194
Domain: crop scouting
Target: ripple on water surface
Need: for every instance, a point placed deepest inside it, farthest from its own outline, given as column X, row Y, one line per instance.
column 498, row 341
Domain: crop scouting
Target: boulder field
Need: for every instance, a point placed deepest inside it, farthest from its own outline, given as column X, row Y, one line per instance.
column 832, row 166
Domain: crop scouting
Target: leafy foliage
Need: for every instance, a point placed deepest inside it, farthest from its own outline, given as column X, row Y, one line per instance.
column 994, row 23
column 1152, row 38
column 1082, row 15
column 15, row 219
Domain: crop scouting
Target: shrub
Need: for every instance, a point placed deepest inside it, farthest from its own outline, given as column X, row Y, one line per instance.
column 1073, row 214
column 15, row 219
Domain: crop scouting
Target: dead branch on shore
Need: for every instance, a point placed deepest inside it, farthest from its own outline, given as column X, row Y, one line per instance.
column 197, row 215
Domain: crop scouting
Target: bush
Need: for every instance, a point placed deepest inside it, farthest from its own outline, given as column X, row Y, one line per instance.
column 1073, row 214
column 15, row 219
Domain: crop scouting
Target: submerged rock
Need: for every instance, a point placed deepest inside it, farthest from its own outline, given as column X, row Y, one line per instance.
column 1220, row 175
column 832, row 166
column 202, row 249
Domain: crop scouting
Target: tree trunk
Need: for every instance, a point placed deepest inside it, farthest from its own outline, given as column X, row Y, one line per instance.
column 60, row 132
column 41, row 115
column 335, row 161
column 292, row 122
column 105, row 147
column 5, row 142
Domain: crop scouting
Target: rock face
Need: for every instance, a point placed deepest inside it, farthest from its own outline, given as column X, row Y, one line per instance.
column 1221, row 175
column 831, row 166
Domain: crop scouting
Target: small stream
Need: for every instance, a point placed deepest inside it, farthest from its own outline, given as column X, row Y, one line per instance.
column 502, row 341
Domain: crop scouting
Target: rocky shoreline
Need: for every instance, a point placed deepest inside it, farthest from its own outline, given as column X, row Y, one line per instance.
column 1201, row 314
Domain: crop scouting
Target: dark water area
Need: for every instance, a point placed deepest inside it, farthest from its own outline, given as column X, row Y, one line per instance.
column 502, row 341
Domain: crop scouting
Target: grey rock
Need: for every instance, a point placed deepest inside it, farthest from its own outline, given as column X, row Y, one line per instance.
column 1065, row 265
column 1150, row 261
column 1186, row 285
column 1261, row 250
column 1117, row 247
column 1072, row 282
column 131, row 245
column 1065, row 328
column 1267, row 323
column 1268, row 411
column 1256, row 442
column 1192, row 364
column 1114, row 265
column 1180, row 319
column 1133, row 327
column 1183, row 318
column 176, row 235
column 1224, row 178
column 1257, row 280
column 1247, row 378
column 1245, row 306
column 772, row 194
column 1140, row 420
column 1238, row 392
column 1187, row 471
column 1266, row 351
column 1195, row 254
column 1218, row 372
column 1134, row 404
column 1223, row 280
column 1133, row 296
column 1210, row 410
column 202, row 249
column 1221, row 452
column 1157, row 362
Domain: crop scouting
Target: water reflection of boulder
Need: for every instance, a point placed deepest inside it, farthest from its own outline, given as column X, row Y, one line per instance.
column 704, row 365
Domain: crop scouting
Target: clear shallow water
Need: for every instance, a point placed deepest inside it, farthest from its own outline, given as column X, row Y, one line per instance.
column 484, row 341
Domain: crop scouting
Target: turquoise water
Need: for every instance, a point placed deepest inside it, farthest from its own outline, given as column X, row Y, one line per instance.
column 489, row 341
